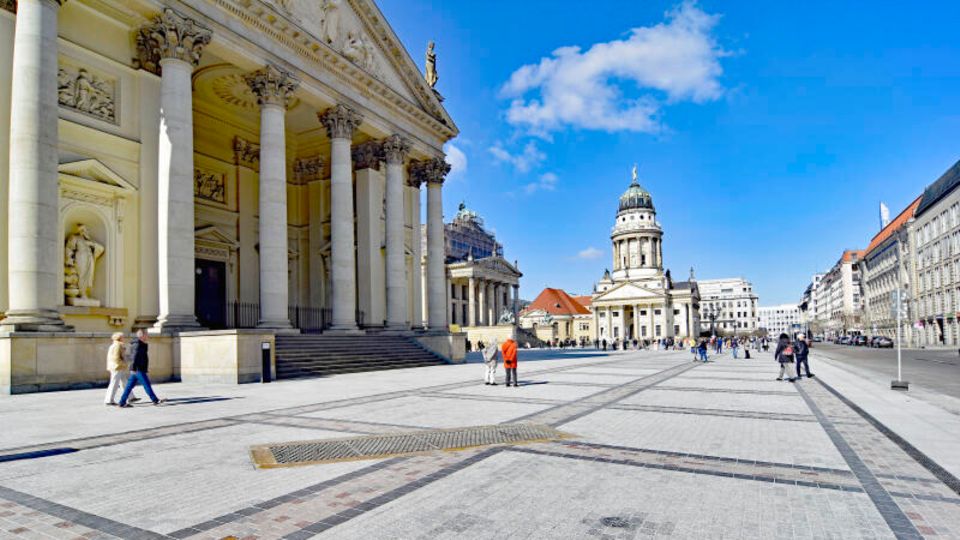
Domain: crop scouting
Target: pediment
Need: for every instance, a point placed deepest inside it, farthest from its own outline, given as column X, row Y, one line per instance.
column 358, row 32
column 93, row 170
column 499, row 264
column 211, row 233
column 628, row 292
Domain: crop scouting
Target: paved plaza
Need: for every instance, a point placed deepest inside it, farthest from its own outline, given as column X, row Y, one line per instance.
column 658, row 446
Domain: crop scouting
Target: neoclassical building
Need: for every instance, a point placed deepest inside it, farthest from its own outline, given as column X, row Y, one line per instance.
column 482, row 286
column 193, row 165
column 638, row 300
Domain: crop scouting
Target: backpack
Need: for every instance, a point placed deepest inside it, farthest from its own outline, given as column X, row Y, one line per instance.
column 787, row 351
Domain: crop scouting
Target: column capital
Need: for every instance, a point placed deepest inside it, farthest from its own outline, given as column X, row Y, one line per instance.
column 341, row 121
column 367, row 155
column 171, row 35
column 272, row 86
column 431, row 171
column 395, row 149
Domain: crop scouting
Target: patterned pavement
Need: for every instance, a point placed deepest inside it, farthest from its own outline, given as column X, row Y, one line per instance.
column 662, row 447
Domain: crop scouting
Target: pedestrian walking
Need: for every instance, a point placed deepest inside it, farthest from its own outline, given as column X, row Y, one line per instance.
column 785, row 354
column 118, row 368
column 703, row 350
column 138, row 371
column 509, row 350
column 803, row 353
column 490, row 359
column 735, row 346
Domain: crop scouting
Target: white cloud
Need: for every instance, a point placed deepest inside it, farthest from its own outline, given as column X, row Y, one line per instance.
column 457, row 160
column 546, row 182
column 523, row 161
column 673, row 61
column 590, row 253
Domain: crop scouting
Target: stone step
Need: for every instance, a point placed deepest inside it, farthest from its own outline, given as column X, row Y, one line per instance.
column 318, row 355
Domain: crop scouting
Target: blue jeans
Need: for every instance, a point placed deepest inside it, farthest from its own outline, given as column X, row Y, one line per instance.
column 144, row 380
column 735, row 349
column 703, row 354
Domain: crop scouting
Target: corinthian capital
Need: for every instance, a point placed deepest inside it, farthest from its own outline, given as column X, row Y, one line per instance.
column 272, row 86
column 431, row 171
column 395, row 149
column 341, row 121
column 171, row 35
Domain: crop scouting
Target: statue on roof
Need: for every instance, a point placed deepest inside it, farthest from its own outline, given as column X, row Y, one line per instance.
column 431, row 66
column 462, row 207
column 634, row 173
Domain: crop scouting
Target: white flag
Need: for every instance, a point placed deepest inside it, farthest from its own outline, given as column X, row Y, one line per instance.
column 884, row 215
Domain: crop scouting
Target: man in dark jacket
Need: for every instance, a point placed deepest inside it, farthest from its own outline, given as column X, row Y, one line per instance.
column 802, row 353
column 138, row 371
column 785, row 354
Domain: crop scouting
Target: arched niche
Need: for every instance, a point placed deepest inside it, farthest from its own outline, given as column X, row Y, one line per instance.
column 108, row 268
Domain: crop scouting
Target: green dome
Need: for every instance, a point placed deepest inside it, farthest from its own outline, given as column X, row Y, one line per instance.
column 635, row 197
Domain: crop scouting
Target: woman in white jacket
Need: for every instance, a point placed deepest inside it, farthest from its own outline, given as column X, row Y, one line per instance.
column 490, row 354
column 117, row 366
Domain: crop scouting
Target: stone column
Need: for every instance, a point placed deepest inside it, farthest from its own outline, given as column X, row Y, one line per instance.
column 171, row 45
column 636, row 321
column 472, row 302
column 433, row 172
column 516, row 297
column 482, row 303
column 609, row 336
column 341, row 121
column 416, row 254
column 495, row 304
column 273, row 89
column 395, row 150
column 35, row 277
column 491, row 303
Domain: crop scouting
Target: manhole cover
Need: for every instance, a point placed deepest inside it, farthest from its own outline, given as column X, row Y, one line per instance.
column 396, row 444
column 615, row 521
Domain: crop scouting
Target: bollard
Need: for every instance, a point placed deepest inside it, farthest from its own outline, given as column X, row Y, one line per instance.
column 265, row 372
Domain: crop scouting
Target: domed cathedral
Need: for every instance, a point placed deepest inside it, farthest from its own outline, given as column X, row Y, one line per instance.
column 638, row 300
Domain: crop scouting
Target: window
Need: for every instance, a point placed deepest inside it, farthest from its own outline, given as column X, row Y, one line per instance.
column 616, row 313
column 643, row 331
column 676, row 329
column 643, row 313
column 453, row 291
column 676, row 312
column 656, row 312
column 453, row 313
column 616, row 332
column 658, row 330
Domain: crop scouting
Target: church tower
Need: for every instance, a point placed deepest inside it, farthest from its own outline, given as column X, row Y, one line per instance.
column 636, row 236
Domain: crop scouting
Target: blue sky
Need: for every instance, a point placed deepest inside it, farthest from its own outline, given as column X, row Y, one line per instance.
column 767, row 132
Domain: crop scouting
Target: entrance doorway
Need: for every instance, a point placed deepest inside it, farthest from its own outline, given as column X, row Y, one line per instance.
column 210, row 293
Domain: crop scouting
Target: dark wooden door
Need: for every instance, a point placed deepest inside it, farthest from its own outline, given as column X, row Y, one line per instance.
column 210, row 293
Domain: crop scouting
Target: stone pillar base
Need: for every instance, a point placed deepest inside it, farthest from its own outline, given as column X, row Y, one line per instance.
column 274, row 325
column 225, row 356
column 175, row 323
column 34, row 321
column 143, row 322
column 344, row 331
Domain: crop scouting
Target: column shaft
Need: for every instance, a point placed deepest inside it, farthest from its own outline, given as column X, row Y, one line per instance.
column 35, row 274
column 396, row 278
column 175, row 239
column 273, row 218
column 416, row 250
column 435, row 257
column 342, row 241
column 472, row 302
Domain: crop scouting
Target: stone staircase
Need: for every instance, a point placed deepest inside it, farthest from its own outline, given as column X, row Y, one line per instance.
column 319, row 355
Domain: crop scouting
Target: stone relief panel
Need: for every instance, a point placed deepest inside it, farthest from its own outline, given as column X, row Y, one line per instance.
column 210, row 185
column 84, row 90
column 335, row 23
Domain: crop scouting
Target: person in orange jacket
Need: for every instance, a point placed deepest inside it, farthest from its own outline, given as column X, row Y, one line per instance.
column 509, row 350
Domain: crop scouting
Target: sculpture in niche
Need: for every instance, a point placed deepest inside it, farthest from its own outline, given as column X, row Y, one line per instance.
column 87, row 93
column 431, row 66
column 210, row 186
column 80, row 259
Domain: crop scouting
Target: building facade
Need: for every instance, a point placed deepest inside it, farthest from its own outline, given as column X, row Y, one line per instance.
column 638, row 299
column 728, row 306
column 555, row 316
column 935, row 238
column 481, row 284
column 782, row 319
column 808, row 304
column 887, row 267
column 840, row 296
column 191, row 161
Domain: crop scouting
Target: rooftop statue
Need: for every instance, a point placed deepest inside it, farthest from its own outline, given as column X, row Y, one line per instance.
column 431, row 66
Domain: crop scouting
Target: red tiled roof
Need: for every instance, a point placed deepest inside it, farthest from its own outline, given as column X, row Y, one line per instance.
column 850, row 254
column 584, row 300
column 557, row 302
column 897, row 222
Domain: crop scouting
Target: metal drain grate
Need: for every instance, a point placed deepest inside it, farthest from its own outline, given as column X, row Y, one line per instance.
column 394, row 444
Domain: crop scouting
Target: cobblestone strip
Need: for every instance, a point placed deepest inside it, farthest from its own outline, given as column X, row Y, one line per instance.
column 933, row 467
column 290, row 498
column 38, row 517
column 725, row 390
column 716, row 412
column 898, row 522
column 86, row 443
column 787, row 475
column 568, row 412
